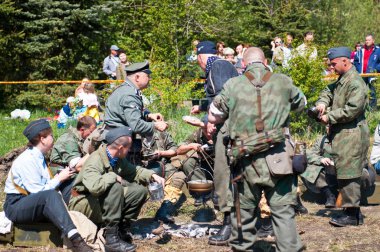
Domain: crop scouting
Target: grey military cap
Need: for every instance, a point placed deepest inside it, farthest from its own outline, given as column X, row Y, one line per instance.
column 115, row 133
column 138, row 67
column 337, row 52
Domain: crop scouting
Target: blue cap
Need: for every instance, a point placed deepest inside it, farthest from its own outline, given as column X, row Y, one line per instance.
column 35, row 127
column 337, row 52
column 115, row 133
column 115, row 47
column 206, row 47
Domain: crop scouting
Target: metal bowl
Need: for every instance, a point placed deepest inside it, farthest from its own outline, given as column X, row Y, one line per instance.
column 201, row 186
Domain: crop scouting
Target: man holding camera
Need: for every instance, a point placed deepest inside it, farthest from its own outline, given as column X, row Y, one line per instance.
column 348, row 98
column 255, row 110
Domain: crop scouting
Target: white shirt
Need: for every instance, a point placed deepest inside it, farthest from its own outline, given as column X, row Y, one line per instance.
column 31, row 173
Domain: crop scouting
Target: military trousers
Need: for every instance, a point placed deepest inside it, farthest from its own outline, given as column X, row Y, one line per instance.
column 117, row 204
column 350, row 190
column 37, row 207
column 222, row 173
column 280, row 192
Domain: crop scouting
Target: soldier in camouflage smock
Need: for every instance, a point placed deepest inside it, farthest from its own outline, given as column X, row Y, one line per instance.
column 68, row 151
column 348, row 98
column 320, row 175
column 271, row 170
column 156, row 152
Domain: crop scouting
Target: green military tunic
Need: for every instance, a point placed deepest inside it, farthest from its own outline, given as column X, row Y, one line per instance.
column 348, row 98
column 238, row 103
column 67, row 147
column 124, row 107
column 93, row 184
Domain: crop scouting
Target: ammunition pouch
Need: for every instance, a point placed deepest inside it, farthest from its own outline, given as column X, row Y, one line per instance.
column 257, row 143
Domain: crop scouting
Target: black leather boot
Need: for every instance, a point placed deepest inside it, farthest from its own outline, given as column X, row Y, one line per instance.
column 114, row 243
column 330, row 197
column 222, row 237
column 299, row 208
column 266, row 228
column 126, row 234
column 166, row 212
column 349, row 218
column 79, row 245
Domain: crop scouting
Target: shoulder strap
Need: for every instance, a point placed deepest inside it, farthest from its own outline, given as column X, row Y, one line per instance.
column 258, row 85
column 18, row 188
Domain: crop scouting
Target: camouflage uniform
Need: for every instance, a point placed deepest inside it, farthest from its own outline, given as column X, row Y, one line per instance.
column 349, row 132
column 162, row 141
column 317, row 176
column 67, row 147
column 98, row 195
column 238, row 103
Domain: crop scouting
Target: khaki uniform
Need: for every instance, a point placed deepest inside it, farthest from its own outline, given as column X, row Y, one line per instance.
column 101, row 198
column 348, row 98
column 162, row 141
column 238, row 103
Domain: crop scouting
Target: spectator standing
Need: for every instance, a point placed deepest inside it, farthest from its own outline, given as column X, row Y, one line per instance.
column 367, row 60
column 111, row 62
column 120, row 70
column 277, row 50
column 307, row 49
column 357, row 48
column 219, row 49
column 229, row 55
column 287, row 49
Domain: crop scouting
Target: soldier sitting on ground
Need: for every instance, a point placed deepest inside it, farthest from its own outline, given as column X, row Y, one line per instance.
column 156, row 153
column 110, row 191
column 68, row 151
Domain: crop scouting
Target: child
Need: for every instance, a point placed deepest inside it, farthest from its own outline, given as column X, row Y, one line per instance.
column 66, row 113
column 92, row 107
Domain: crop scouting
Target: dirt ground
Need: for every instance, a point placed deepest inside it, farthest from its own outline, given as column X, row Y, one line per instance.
column 315, row 231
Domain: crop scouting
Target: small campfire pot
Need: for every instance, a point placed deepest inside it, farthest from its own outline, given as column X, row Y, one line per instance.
column 156, row 191
column 200, row 186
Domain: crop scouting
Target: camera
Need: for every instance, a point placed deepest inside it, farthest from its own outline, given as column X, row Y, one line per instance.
column 313, row 113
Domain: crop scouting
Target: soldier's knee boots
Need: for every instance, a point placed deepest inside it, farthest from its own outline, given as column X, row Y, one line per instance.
column 330, row 197
column 114, row 243
column 222, row 237
column 351, row 217
column 299, row 208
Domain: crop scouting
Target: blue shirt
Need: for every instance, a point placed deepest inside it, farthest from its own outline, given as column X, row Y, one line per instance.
column 31, row 173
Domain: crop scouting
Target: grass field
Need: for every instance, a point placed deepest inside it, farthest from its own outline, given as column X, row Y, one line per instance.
column 12, row 129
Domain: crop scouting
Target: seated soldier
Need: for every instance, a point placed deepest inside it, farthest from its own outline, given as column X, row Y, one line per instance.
column 30, row 187
column 110, row 191
column 320, row 174
column 156, row 153
column 68, row 151
column 198, row 150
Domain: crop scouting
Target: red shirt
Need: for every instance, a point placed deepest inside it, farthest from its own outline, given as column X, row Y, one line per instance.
column 367, row 54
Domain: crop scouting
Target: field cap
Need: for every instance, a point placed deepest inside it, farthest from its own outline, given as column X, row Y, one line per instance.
column 337, row 52
column 116, row 133
column 35, row 127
